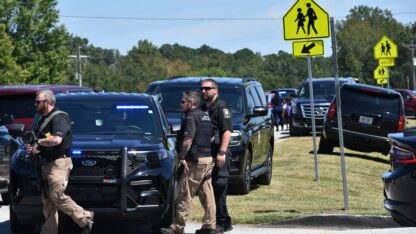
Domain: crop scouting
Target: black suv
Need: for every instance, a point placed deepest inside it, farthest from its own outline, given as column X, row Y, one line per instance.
column 124, row 161
column 323, row 93
column 252, row 139
column 369, row 114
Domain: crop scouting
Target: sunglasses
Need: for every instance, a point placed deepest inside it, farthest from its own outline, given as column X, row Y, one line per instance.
column 206, row 88
column 37, row 102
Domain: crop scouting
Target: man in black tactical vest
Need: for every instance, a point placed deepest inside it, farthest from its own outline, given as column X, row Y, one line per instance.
column 194, row 141
column 220, row 115
column 54, row 142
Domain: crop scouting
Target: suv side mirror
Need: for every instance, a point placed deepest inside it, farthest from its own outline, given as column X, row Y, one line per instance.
column 6, row 119
column 259, row 111
column 16, row 130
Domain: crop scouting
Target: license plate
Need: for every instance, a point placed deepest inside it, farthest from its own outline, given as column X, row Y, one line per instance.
column 366, row 120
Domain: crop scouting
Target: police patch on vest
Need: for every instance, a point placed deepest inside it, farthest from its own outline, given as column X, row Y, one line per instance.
column 226, row 113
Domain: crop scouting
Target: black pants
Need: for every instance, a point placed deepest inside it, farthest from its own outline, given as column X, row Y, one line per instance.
column 220, row 185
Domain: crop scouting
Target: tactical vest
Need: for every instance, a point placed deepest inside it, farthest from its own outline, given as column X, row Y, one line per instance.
column 201, row 143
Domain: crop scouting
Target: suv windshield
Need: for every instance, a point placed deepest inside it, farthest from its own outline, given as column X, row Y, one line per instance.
column 320, row 89
column 104, row 118
column 20, row 106
column 170, row 97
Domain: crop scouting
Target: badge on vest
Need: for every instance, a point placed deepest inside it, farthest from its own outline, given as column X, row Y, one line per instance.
column 227, row 113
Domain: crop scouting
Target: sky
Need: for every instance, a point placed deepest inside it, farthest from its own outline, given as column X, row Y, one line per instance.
column 192, row 23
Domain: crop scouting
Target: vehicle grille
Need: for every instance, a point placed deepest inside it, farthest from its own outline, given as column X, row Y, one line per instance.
column 320, row 110
column 108, row 164
column 2, row 151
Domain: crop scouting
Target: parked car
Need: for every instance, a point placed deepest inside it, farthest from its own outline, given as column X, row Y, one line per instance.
column 17, row 101
column 399, row 180
column 124, row 161
column 269, row 97
column 409, row 99
column 369, row 114
column 301, row 114
column 4, row 160
column 252, row 139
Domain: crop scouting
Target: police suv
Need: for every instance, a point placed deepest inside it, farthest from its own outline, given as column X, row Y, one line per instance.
column 252, row 139
column 124, row 161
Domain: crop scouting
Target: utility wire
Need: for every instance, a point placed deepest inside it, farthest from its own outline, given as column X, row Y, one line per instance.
column 193, row 19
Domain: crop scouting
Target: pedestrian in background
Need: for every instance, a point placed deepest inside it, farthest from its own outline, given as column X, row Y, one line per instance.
column 220, row 115
column 194, row 139
column 55, row 139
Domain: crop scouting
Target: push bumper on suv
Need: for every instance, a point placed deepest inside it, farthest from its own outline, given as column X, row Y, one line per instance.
column 144, row 194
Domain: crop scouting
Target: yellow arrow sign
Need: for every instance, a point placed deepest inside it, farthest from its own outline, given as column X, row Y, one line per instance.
column 305, row 20
column 308, row 48
column 381, row 81
column 385, row 49
column 381, row 73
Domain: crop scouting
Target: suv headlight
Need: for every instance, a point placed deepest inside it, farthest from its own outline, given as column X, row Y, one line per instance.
column 147, row 156
column 235, row 138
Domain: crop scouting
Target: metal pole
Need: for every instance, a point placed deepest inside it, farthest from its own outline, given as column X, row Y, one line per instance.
column 79, row 67
column 339, row 116
column 407, row 79
column 412, row 48
column 315, row 156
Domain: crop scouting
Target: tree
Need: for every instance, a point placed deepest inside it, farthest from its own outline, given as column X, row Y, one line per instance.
column 39, row 43
column 10, row 72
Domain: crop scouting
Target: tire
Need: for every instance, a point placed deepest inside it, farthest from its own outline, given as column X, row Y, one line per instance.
column 170, row 216
column 5, row 197
column 15, row 225
column 266, row 178
column 244, row 184
column 325, row 146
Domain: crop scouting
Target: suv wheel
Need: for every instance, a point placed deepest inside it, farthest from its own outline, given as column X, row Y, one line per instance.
column 15, row 225
column 5, row 197
column 325, row 146
column 244, row 184
column 266, row 178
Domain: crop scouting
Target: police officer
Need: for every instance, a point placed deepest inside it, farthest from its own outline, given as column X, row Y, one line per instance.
column 222, row 127
column 53, row 145
column 194, row 139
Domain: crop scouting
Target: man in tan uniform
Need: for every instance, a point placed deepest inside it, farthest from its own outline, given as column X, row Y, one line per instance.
column 55, row 139
column 194, row 139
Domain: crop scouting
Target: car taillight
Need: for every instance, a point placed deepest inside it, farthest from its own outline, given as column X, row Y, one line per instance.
column 269, row 106
column 332, row 110
column 401, row 124
column 400, row 155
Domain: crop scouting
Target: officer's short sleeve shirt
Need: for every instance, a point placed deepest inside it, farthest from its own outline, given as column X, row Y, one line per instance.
column 190, row 126
column 224, row 117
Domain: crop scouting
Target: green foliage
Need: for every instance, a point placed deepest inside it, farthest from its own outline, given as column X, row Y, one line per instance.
column 39, row 43
column 10, row 72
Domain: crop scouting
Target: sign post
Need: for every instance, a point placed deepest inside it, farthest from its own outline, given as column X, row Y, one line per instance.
column 307, row 20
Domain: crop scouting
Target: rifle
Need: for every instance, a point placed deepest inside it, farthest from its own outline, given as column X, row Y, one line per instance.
column 35, row 160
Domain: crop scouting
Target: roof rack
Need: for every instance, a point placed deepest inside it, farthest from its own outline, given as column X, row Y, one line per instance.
column 248, row 79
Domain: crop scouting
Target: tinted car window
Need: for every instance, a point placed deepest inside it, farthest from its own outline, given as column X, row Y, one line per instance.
column 21, row 106
column 320, row 89
column 255, row 96
column 113, row 118
column 170, row 98
column 355, row 101
column 405, row 95
column 260, row 92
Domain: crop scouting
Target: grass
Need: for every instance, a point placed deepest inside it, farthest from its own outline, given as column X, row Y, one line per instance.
column 295, row 193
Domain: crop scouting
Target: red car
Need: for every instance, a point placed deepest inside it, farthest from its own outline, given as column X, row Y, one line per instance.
column 409, row 99
column 18, row 100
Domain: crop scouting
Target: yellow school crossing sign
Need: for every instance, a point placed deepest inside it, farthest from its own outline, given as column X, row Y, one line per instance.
column 305, row 20
column 308, row 48
column 381, row 81
column 381, row 73
column 385, row 49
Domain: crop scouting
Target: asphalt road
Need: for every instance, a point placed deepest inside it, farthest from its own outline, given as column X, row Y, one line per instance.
column 312, row 224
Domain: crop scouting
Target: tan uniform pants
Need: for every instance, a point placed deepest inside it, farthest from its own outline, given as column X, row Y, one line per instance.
column 56, row 173
column 197, row 180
